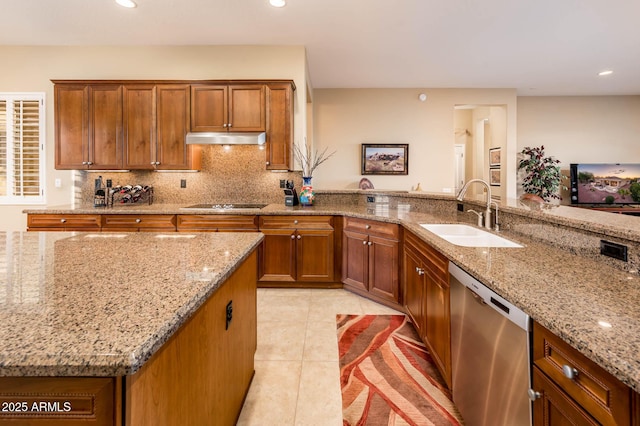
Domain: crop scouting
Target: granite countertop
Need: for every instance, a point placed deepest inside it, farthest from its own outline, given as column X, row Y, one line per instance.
column 81, row 304
column 568, row 294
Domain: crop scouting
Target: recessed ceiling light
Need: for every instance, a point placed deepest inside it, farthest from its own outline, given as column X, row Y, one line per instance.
column 278, row 3
column 126, row 3
column 606, row 72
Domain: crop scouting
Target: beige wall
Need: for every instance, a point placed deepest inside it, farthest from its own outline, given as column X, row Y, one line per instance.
column 32, row 67
column 346, row 118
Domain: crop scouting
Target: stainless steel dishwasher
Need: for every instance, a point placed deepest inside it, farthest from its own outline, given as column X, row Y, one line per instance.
column 490, row 354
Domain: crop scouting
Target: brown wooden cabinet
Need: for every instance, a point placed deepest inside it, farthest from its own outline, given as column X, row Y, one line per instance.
column 216, row 223
column 171, row 151
column 228, row 108
column 62, row 222
column 279, row 126
column 138, row 223
column 88, row 126
column 570, row 386
column 370, row 259
column 297, row 250
column 139, row 120
column 115, row 125
column 427, row 299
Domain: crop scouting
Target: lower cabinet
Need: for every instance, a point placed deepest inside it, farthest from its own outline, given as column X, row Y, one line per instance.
column 61, row 222
column 571, row 389
column 297, row 250
column 216, row 223
column 138, row 223
column 426, row 299
column 370, row 256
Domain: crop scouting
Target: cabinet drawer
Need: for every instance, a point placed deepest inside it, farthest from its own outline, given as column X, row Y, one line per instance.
column 190, row 222
column 161, row 222
column 296, row 222
column 372, row 227
column 436, row 261
column 90, row 222
column 603, row 396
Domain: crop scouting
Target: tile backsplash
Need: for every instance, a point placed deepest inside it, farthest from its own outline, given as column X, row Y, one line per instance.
column 236, row 174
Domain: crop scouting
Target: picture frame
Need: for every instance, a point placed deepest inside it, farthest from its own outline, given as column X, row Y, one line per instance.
column 494, row 157
column 494, row 177
column 385, row 159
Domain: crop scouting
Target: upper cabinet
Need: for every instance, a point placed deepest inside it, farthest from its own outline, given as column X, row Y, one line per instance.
column 142, row 125
column 279, row 126
column 228, row 108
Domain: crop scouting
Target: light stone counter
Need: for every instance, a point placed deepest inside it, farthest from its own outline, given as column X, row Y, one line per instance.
column 569, row 293
column 79, row 304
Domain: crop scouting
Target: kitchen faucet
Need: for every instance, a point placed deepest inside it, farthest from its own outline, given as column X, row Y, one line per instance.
column 487, row 215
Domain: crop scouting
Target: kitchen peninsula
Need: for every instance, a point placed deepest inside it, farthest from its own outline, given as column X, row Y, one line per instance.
column 127, row 328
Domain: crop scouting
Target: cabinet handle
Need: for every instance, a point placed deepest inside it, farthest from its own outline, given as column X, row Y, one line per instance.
column 293, row 237
column 84, row 163
column 224, row 125
column 63, row 220
column 295, row 222
column 367, row 227
column 569, row 372
column 229, row 124
column 299, row 236
column 364, row 243
column 267, row 163
column 89, row 162
column 138, row 220
column 420, row 271
column 370, row 243
column 533, row 395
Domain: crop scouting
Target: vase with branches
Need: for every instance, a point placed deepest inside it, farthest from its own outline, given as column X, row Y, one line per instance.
column 543, row 177
column 309, row 160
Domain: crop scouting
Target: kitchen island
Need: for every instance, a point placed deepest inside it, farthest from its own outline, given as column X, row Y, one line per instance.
column 127, row 328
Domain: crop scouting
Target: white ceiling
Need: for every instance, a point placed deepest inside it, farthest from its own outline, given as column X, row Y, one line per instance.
column 539, row 47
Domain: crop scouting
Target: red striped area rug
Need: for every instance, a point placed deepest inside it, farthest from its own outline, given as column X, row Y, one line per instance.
column 387, row 376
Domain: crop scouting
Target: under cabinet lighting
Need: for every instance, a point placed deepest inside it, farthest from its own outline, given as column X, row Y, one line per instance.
column 604, row 73
column 278, row 3
column 127, row 3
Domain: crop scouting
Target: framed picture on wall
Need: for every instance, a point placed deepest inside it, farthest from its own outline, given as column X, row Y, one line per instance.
column 494, row 175
column 385, row 159
column 494, row 157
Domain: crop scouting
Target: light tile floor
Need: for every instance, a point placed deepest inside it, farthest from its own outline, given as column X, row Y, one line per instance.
column 297, row 374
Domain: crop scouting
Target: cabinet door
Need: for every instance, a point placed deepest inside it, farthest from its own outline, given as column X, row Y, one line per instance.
column 209, row 107
column 279, row 126
column 247, row 108
column 105, row 126
column 172, row 153
column 139, row 118
column 71, row 106
column 383, row 268
column 278, row 255
column 553, row 407
column 355, row 260
column 438, row 323
column 414, row 289
column 314, row 255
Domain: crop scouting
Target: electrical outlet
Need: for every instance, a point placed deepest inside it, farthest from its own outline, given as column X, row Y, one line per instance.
column 58, row 183
column 283, row 183
column 460, row 207
column 183, row 183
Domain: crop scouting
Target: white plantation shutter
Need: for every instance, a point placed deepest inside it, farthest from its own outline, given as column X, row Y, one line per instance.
column 22, row 173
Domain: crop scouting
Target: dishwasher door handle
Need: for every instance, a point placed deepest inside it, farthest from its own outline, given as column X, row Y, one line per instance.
column 476, row 296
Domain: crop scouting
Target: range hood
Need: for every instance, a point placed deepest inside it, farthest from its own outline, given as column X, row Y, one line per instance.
column 226, row 138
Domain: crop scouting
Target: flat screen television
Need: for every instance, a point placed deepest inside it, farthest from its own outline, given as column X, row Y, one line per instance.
column 605, row 184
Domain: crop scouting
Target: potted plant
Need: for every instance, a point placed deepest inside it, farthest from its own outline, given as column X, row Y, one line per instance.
column 543, row 178
column 309, row 160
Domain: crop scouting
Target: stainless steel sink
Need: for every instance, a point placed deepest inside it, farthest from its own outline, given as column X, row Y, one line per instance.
column 226, row 206
column 468, row 236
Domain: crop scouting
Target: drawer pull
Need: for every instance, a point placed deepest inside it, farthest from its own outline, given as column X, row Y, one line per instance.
column 533, row 395
column 367, row 227
column 138, row 220
column 63, row 220
column 569, row 372
column 295, row 222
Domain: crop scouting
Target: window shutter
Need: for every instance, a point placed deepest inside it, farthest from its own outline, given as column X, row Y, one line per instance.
column 21, row 148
